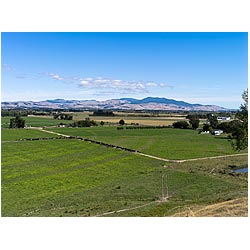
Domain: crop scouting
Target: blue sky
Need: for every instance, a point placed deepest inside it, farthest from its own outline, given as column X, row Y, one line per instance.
column 206, row 68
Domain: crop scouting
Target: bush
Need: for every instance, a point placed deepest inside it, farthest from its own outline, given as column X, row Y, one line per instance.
column 206, row 127
column 181, row 124
column 84, row 123
column 121, row 122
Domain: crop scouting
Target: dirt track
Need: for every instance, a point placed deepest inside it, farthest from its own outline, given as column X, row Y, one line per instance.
column 125, row 209
column 196, row 159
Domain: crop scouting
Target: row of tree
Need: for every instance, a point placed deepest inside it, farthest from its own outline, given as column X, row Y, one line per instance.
column 63, row 116
column 101, row 112
column 18, row 112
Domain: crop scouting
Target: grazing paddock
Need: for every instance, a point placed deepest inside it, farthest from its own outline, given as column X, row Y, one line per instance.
column 77, row 178
column 81, row 178
column 34, row 121
column 165, row 142
column 17, row 134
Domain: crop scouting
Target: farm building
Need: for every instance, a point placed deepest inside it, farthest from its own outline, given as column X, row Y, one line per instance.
column 216, row 132
column 223, row 118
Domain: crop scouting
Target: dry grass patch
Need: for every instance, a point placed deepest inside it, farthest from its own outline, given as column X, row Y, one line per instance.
column 232, row 208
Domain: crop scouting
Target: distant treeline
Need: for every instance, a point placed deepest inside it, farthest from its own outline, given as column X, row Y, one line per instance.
column 16, row 112
column 63, row 116
column 101, row 112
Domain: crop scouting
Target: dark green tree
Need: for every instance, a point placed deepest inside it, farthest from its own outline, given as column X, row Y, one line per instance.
column 102, row 123
column 121, row 122
column 212, row 119
column 229, row 127
column 239, row 134
column 181, row 124
column 194, row 121
column 206, row 127
column 17, row 122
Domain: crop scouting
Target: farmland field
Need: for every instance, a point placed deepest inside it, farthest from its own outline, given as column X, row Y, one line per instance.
column 72, row 177
column 34, row 121
column 167, row 143
column 77, row 178
column 149, row 121
column 39, row 121
column 17, row 134
column 142, row 119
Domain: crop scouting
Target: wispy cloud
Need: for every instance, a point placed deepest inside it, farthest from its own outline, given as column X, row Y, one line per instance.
column 100, row 85
column 59, row 77
column 6, row 67
column 56, row 77
column 103, row 85
column 21, row 76
column 118, row 86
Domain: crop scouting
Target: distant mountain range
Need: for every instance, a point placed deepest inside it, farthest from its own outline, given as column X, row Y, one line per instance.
column 149, row 103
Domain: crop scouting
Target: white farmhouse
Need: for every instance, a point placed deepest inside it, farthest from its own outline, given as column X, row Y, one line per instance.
column 223, row 118
column 216, row 132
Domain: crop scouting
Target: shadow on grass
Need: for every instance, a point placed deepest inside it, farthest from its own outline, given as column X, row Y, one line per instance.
column 222, row 138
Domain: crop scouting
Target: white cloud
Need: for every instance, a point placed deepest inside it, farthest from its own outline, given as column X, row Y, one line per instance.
column 151, row 84
column 113, row 85
column 84, row 82
column 56, row 77
column 98, row 84
column 7, row 67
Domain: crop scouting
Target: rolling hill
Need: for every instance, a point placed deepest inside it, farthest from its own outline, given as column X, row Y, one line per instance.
column 148, row 103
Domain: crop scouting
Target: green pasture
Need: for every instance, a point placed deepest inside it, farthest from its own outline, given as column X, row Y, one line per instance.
column 70, row 177
column 16, row 134
column 77, row 178
column 34, row 121
column 167, row 142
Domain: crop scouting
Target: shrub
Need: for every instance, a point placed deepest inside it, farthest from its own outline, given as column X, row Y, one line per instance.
column 121, row 122
column 181, row 124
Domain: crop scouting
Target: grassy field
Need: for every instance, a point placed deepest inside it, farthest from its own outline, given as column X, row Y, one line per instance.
column 73, row 178
column 167, row 143
column 77, row 178
column 16, row 134
column 39, row 121
column 34, row 121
